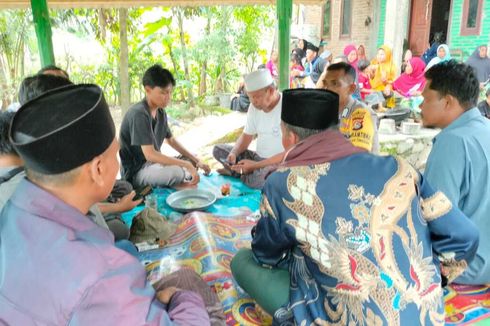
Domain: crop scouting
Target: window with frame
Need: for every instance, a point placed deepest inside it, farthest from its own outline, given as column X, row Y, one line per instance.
column 471, row 17
column 327, row 18
column 346, row 18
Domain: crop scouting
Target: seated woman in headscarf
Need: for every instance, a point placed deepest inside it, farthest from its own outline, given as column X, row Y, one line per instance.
column 384, row 74
column 431, row 52
column 406, row 57
column 412, row 81
column 480, row 63
column 350, row 52
column 361, row 53
column 443, row 54
column 301, row 50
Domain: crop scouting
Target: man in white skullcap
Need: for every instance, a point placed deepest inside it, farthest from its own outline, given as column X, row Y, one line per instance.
column 263, row 121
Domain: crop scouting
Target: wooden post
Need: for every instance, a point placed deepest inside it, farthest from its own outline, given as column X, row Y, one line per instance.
column 43, row 31
column 284, row 15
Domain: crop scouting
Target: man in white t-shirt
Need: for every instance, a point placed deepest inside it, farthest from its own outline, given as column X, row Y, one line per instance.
column 263, row 121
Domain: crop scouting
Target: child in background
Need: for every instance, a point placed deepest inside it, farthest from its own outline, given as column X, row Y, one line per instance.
column 272, row 64
column 363, row 78
column 295, row 63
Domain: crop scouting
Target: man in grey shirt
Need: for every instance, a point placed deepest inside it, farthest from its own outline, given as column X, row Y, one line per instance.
column 143, row 130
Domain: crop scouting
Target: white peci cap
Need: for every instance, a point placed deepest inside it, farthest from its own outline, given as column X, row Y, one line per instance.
column 258, row 79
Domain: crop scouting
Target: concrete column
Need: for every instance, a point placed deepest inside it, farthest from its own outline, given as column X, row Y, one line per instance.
column 373, row 35
column 396, row 28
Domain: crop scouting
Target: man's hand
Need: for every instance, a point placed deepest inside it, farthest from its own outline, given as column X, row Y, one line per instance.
column 127, row 203
column 193, row 171
column 201, row 165
column 245, row 167
column 231, row 158
column 165, row 295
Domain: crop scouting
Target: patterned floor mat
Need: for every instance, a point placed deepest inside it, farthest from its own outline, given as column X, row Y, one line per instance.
column 207, row 241
column 467, row 305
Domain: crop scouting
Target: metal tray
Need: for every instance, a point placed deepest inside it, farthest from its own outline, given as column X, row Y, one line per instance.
column 398, row 114
column 191, row 200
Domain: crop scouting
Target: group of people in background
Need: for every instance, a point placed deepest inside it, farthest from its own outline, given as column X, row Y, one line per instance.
column 380, row 75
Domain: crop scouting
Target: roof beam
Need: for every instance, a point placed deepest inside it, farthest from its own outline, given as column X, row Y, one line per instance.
column 4, row 4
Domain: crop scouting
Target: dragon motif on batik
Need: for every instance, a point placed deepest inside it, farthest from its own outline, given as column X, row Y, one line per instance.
column 373, row 226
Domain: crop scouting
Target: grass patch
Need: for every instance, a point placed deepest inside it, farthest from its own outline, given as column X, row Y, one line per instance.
column 183, row 112
column 230, row 137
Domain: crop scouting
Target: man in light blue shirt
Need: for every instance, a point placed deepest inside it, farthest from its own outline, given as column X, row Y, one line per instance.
column 459, row 163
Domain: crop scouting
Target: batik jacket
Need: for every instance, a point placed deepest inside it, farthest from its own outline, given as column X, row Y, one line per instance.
column 364, row 238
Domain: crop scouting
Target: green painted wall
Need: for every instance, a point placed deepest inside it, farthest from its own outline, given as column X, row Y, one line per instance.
column 382, row 22
column 468, row 43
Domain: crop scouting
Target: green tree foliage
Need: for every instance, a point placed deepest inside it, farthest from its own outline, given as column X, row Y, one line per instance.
column 16, row 40
column 255, row 20
column 228, row 44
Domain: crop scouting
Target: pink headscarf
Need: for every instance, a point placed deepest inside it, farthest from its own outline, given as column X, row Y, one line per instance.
column 348, row 49
column 405, row 83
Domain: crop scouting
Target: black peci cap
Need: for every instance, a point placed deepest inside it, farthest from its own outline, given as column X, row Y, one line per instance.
column 62, row 129
column 310, row 108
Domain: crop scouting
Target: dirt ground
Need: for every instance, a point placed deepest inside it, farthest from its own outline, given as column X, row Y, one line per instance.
column 198, row 135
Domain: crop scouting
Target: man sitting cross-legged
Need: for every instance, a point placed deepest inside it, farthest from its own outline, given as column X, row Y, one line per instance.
column 263, row 121
column 143, row 130
column 360, row 247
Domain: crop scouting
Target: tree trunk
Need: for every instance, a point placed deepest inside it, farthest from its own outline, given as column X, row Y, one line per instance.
column 102, row 25
column 123, row 61
column 176, row 69
column 180, row 19
column 202, row 78
column 204, row 67
column 220, row 85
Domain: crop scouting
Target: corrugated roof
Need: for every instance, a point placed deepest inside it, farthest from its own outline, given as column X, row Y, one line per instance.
column 144, row 3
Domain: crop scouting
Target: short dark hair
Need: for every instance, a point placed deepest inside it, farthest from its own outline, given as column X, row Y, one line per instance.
column 157, row 76
column 34, row 86
column 6, row 147
column 456, row 79
column 363, row 64
column 52, row 67
column 347, row 68
column 295, row 58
